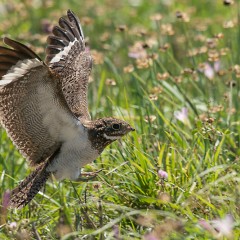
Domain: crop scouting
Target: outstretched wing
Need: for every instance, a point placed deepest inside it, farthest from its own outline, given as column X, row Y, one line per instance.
column 32, row 107
column 68, row 59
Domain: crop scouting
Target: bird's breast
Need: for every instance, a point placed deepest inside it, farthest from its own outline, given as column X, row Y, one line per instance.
column 73, row 155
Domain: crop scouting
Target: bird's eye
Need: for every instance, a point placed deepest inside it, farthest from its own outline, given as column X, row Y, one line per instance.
column 116, row 126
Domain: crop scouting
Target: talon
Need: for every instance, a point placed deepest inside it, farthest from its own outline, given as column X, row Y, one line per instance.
column 89, row 176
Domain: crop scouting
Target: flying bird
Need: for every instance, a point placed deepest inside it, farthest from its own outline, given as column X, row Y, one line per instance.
column 44, row 109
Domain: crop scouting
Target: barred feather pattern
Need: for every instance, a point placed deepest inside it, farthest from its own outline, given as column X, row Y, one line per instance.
column 29, row 187
column 21, row 116
column 68, row 59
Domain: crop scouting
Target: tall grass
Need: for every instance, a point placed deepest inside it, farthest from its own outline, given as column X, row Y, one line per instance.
column 175, row 78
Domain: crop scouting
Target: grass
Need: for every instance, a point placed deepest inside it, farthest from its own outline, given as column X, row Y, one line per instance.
column 171, row 69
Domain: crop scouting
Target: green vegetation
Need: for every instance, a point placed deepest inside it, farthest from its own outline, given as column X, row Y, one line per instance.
column 170, row 68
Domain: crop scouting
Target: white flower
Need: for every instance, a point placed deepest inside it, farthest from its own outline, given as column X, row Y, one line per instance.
column 182, row 116
column 13, row 225
column 209, row 70
column 224, row 226
column 162, row 174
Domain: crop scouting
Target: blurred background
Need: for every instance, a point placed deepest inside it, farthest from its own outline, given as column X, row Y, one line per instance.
column 171, row 69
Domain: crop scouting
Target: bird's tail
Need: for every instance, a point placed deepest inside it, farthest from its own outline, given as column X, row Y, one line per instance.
column 29, row 187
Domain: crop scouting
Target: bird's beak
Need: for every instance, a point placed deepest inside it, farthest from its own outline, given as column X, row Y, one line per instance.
column 131, row 129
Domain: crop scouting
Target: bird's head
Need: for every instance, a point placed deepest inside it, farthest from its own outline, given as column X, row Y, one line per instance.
column 104, row 131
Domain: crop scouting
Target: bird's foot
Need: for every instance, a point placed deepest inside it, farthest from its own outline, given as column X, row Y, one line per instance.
column 88, row 176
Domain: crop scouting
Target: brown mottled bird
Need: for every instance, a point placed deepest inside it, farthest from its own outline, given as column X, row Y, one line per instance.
column 43, row 107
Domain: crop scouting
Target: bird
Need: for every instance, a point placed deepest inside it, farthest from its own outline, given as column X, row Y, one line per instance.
column 44, row 108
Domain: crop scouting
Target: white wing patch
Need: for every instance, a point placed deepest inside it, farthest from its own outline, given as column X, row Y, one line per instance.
column 19, row 70
column 64, row 52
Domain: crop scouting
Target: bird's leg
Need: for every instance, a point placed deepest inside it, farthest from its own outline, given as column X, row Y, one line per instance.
column 89, row 175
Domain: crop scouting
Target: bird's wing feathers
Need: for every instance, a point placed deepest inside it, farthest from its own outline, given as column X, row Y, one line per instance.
column 69, row 60
column 32, row 107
